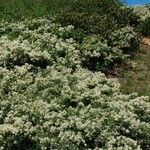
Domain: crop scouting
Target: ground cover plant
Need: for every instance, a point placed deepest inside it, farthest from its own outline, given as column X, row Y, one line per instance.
column 54, row 93
column 91, row 52
column 49, row 100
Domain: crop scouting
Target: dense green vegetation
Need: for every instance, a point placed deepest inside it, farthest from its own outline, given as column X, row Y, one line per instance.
column 55, row 59
column 144, row 27
column 93, row 16
column 144, row 20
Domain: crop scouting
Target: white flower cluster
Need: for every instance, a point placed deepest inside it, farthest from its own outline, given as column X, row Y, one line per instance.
column 123, row 37
column 60, row 106
column 42, row 43
column 99, row 54
column 142, row 11
column 110, row 51
column 36, row 45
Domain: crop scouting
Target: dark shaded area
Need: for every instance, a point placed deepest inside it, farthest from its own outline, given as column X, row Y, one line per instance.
column 144, row 27
column 23, row 143
column 23, row 59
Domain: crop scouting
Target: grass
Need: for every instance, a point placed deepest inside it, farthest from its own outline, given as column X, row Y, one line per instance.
column 138, row 78
column 18, row 9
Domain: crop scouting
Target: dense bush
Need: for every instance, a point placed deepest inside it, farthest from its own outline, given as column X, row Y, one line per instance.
column 144, row 27
column 98, row 55
column 127, row 17
column 144, row 19
column 52, row 95
column 41, row 42
column 123, row 38
column 61, row 109
column 94, row 16
column 34, row 42
column 48, row 101
column 90, row 16
column 142, row 11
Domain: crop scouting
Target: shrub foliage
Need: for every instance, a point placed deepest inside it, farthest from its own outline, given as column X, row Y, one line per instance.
column 144, row 27
column 67, row 46
column 144, row 19
column 49, row 101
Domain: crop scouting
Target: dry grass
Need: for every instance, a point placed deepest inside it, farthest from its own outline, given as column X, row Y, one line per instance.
column 145, row 41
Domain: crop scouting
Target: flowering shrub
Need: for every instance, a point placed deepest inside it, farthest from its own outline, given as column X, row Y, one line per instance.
column 59, row 109
column 144, row 14
column 96, row 16
column 48, row 101
column 41, row 42
column 36, row 44
column 98, row 55
column 125, row 37
column 142, row 11
column 144, row 27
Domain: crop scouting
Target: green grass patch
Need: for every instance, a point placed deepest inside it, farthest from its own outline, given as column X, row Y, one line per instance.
column 138, row 79
column 18, row 9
